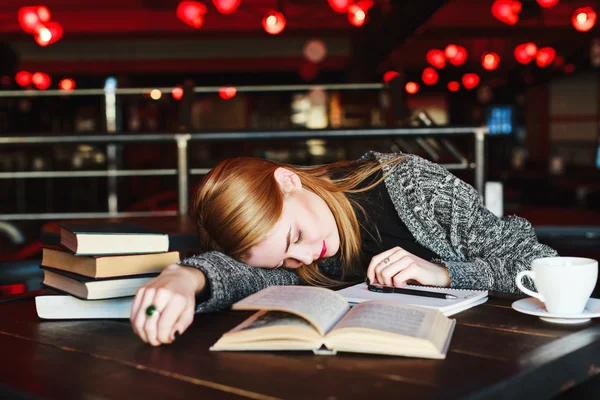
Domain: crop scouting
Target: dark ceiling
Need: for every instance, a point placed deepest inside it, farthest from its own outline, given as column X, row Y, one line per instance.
column 397, row 35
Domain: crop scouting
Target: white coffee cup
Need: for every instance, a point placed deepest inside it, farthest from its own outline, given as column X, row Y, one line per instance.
column 564, row 284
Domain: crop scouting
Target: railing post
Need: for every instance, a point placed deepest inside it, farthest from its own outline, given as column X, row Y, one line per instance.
column 182, row 171
column 480, row 160
column 110, row 101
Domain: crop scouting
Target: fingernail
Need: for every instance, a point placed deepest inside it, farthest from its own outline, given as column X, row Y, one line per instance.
column 367, row 280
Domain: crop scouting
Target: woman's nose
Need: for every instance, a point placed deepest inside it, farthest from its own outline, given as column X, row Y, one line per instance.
column 304, row 255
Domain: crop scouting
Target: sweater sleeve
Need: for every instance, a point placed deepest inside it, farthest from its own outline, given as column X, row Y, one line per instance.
column 229, row 280
column 494, row 249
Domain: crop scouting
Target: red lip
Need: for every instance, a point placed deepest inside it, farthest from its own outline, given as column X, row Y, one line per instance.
column 323, row 250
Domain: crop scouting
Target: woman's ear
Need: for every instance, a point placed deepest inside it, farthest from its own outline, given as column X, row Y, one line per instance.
column 289, row 182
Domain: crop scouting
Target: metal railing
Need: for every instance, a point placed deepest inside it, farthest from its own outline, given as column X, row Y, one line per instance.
column 183, row 171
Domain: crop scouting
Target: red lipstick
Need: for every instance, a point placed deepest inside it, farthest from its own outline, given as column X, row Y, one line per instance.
column 323, row 250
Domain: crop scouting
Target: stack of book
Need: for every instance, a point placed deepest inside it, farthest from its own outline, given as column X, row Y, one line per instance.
column 99, row 267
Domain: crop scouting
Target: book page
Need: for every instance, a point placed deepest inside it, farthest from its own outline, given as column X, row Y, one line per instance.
column 321, row 307
column 388, row 317
column 272, row 319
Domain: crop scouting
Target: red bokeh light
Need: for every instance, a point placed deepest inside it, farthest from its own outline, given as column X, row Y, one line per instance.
column 339, row 6
column 545, row 56
column 453, row 86
column 525, row 52
column 226, row 6
column 430, row 76
column 177, row 93
column 389, row 75
column 437, row 58
column 490, row 61
column 547, row 3
column 274, row 22
column 507, row 11
column 23, row 78
column 192, row 13
column 227, row 93
column 48, row 33
column 31, row 17
column 451, row 51
column 459, row 57
column 357, row 12
column 411, row 87
column 66, row 84
column 41, row 80
column 584, row 19
column 470, row 81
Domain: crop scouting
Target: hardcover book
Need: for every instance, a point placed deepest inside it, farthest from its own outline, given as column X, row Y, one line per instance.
column 69, row 307
column 319, row 319
column 107, row 266
column 93, row 289
column 104, row 238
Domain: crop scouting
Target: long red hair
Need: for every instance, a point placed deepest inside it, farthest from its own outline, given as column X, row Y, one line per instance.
column 239, row 201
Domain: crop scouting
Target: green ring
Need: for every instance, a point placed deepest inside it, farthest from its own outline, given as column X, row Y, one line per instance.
column 151, row 310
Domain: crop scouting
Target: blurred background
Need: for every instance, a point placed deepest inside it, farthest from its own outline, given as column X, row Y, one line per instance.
column 500, row 91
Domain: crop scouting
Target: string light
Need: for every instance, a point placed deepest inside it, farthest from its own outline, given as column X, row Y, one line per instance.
column 226, row 6
column 470, row 81
column 66, row 84
column 177, row 93
column 192, row 13
column 411, row 87
column 584, row 19
column 547, row 3
column 23, row 78
column 437, row 58
column 274, row 22
column 453, row 86
column 41, row 80
column 507, row 11
column 524, row 53
column 389, row 75
column 490, row 61
column 227, row 93
column 430, row 76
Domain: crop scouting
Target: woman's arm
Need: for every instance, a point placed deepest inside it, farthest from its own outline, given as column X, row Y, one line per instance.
column 495, row 249
column 207, row 282
column 228, row 280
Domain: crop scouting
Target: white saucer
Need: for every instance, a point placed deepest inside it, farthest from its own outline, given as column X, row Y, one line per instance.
column 533, row 306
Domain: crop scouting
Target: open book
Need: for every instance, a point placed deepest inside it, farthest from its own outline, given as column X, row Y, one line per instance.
column 318, row 319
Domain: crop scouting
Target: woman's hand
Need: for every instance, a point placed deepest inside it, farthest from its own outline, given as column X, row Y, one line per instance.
column 397, row 266
column 172, row 293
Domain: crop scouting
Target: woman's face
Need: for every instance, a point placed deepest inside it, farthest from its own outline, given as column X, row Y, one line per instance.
column 305, row 232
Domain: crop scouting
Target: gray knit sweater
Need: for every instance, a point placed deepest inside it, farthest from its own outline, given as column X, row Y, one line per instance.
column 442, row 212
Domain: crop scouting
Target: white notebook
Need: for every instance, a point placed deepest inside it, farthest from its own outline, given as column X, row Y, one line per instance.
column 466, row 298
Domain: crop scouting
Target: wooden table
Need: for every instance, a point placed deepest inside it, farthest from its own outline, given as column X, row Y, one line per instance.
column 495, row 352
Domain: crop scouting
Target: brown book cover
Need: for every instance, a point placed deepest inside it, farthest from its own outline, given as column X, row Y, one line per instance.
column 107, row 266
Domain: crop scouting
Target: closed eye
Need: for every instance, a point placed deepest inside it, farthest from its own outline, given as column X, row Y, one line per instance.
column 300, row 237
